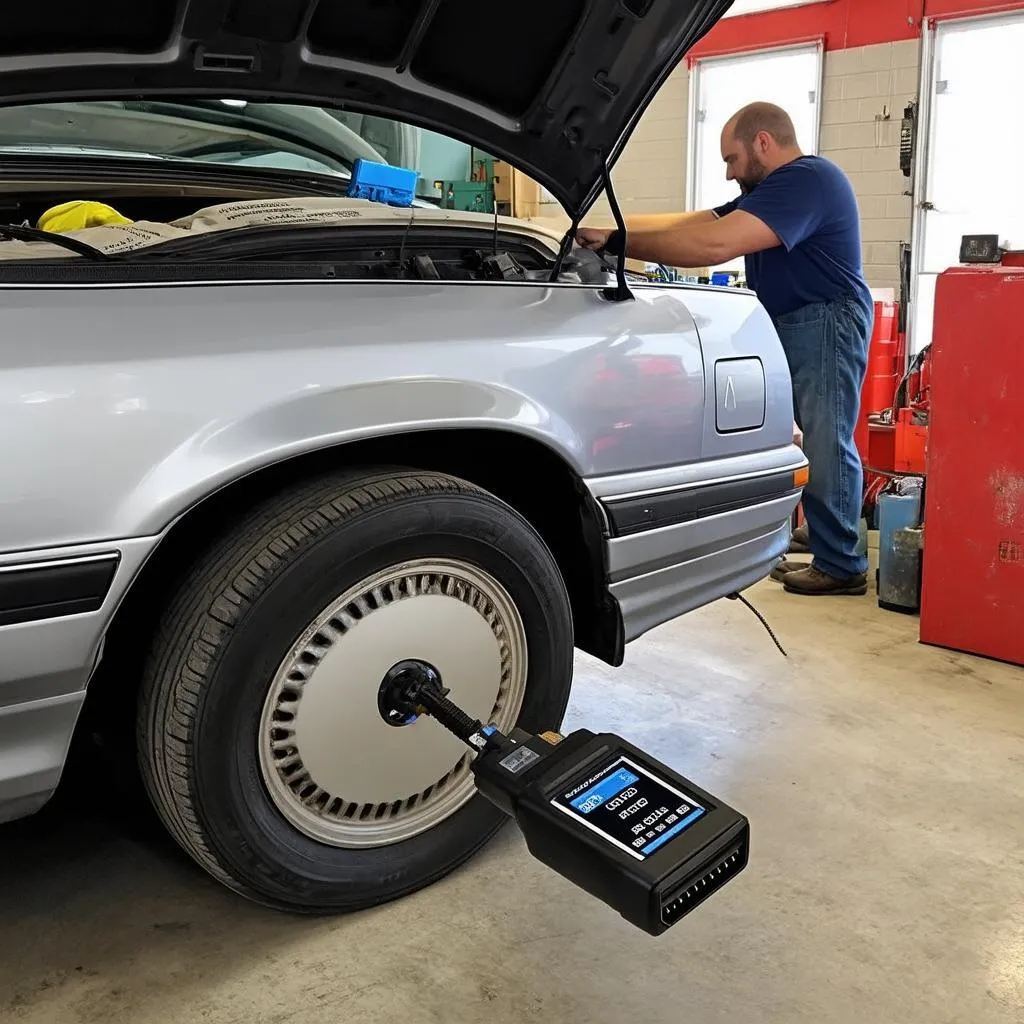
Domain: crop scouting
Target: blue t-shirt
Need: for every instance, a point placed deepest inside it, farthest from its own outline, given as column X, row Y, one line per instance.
column 810, row 204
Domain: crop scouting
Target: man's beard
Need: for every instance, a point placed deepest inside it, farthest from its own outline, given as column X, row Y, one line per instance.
column 755, row 175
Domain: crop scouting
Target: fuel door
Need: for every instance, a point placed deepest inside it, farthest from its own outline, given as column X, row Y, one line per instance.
column 740, row 394
column 748, row 391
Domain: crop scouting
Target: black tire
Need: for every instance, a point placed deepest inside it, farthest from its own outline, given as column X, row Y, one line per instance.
column 242, row 607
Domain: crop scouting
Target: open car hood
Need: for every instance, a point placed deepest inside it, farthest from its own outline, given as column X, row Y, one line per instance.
column 555, row 92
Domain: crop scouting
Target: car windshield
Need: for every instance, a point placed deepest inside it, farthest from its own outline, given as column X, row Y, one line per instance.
column 286, row 137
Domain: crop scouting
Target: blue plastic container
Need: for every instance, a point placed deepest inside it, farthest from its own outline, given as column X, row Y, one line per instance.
column 721, row 278
column 382, row 183
column 899, row 553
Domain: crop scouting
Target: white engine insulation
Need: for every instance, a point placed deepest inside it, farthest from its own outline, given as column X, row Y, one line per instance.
column 312, row 212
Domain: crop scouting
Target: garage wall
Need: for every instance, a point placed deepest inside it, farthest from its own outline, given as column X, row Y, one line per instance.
column 866, row 89
column 650, row 177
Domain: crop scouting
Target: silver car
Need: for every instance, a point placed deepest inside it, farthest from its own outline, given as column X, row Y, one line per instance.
column 261, row 440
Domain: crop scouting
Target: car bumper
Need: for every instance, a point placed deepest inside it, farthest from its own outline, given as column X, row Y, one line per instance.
column 685, row 538
column 54, row 611
column 34, row 738
column 657, row 576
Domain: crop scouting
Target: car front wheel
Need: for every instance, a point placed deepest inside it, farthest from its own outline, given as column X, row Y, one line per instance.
column 261, row 742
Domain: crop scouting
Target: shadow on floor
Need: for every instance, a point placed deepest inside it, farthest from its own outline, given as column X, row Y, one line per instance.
column 97, row 856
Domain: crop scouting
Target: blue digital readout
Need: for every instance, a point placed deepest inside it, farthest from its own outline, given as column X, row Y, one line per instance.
column 631, row 807
column 604, row 790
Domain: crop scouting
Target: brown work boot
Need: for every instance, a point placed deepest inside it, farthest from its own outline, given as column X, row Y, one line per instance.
column 813, row 581
column 783, row 569
column 800, row 541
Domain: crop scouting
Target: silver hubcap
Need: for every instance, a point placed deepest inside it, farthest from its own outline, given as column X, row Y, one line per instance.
column 334, row 768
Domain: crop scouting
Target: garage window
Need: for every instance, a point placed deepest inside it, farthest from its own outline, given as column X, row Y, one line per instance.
column 790, row 77
column 971, row 146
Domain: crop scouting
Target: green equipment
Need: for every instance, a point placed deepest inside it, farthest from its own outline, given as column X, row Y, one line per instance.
column 473, row 196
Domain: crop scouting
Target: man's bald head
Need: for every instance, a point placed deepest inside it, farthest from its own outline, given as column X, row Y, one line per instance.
column 748, row 123
column 755, row 141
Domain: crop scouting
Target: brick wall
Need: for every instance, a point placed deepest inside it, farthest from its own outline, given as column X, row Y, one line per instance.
column 862, row 86
column 866, row 90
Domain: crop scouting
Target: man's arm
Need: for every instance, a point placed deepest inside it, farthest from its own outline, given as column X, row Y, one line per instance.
column 597, row 238
column 784, row 210
column 667, row 221
column 702, row 243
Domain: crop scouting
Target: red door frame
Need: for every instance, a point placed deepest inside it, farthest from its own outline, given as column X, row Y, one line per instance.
column 843, row 24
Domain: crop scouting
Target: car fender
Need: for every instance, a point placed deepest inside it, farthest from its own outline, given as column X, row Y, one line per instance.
column 325, row 417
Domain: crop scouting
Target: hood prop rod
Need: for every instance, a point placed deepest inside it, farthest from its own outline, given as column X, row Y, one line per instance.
column 564, row 249
column 621, row 292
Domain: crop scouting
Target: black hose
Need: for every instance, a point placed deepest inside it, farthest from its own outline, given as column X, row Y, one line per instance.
column 763, row 620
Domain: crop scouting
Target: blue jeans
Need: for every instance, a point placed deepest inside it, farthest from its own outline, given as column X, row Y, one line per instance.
column 826, row 345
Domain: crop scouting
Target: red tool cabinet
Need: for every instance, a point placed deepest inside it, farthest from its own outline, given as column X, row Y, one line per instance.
column 972, row 593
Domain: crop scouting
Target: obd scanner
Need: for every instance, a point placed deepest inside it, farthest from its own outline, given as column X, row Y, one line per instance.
column 593, row 807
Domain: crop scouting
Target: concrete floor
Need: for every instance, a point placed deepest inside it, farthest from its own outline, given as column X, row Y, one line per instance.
column 882, row 778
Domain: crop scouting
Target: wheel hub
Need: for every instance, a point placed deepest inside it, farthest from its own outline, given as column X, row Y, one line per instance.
column 392, row 703
column 333, row 766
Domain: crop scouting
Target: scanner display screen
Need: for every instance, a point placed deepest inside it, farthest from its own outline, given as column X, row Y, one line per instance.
column 630, row 807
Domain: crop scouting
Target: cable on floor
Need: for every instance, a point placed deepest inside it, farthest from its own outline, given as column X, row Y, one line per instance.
column 761, row 618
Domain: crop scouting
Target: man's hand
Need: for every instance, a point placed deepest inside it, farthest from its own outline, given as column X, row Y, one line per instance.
column 593, row 238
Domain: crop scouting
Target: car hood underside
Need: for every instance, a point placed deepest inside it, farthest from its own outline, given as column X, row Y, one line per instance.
column 555, row 92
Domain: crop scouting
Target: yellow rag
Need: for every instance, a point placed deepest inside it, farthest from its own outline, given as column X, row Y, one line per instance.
column 79, row 213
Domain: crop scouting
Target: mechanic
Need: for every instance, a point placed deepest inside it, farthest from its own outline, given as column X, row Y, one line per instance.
column 797, row 224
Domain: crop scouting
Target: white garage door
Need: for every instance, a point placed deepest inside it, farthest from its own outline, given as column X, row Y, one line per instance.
column 973, row 148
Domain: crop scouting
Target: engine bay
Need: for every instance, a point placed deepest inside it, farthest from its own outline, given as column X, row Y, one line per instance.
column 68, row 235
